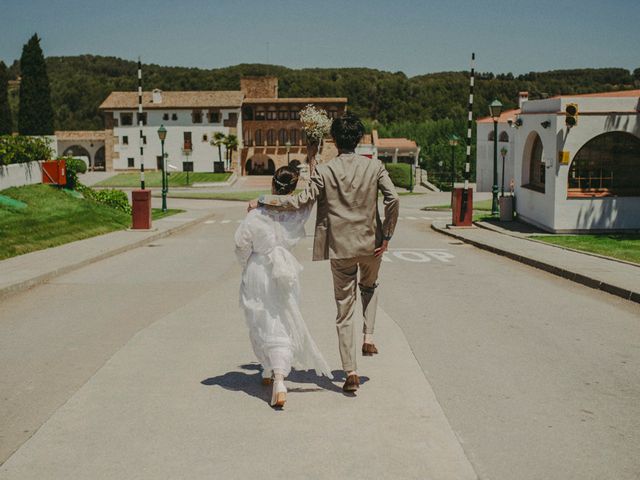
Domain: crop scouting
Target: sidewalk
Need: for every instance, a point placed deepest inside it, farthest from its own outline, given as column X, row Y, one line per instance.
column 618, row 278
column 25, row 271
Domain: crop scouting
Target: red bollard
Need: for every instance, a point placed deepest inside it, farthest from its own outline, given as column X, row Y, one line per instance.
column 141, row 209
column 462, row 210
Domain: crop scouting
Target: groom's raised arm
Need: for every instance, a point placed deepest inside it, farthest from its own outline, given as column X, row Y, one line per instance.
column 300, row 200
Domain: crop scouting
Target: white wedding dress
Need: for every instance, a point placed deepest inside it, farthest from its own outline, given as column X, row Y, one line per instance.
column 270, row 291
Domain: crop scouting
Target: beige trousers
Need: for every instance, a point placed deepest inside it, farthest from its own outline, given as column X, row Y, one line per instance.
column 345, row 279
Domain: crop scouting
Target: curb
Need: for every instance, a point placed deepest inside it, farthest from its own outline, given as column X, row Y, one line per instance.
column 45, row 277
column 547, row 267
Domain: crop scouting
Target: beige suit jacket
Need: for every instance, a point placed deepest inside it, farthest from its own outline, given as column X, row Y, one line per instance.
column 348, row 223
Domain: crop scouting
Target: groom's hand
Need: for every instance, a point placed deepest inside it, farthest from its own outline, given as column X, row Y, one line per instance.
column 253, row 204
column 381, row 249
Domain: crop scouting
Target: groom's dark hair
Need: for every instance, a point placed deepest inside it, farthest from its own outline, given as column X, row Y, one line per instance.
column 347, row 131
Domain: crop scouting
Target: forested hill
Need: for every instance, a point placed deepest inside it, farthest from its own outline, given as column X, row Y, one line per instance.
column 80, row 83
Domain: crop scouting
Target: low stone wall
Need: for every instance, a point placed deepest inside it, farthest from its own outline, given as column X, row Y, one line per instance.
column 18, row 174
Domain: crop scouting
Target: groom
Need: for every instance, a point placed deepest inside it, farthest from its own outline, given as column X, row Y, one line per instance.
column 348, row 232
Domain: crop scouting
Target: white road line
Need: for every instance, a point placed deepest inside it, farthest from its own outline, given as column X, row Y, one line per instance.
column 225, row 221
column 209, row 222
column 411, row 218
column 238, row 221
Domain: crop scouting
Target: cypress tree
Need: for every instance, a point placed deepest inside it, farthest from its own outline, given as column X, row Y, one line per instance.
column 5, row 111
column 35, row 116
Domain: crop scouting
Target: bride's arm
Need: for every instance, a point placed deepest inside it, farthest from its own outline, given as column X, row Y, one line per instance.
column 244, row 242
column 295, row 202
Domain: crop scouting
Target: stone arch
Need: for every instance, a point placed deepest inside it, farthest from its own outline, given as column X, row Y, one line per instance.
column 533, row 167
column 260, row 164
column 503, row 137
column 99, row 159
column 78, row 151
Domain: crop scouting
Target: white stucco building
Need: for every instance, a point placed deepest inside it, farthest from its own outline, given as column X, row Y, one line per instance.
column 580, row 178
column 191, row 120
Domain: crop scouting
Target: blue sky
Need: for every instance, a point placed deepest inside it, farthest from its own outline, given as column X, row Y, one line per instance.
column 402, row 35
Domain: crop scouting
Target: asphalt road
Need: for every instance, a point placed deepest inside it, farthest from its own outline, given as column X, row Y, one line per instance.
column 538, row 377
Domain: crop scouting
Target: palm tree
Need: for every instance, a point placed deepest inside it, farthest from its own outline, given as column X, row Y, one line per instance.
column 231, row 143
column 218, row 140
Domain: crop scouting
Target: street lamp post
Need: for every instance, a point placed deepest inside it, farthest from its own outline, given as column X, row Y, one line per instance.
column 162, row 134
column 503, row 152
column 288, row 146
column 495, row 109
column 453, row 142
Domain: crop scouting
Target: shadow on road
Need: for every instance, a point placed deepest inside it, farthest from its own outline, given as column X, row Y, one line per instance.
column 251, row 383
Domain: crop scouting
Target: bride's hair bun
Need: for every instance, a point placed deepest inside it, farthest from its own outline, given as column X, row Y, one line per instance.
column 285, row 180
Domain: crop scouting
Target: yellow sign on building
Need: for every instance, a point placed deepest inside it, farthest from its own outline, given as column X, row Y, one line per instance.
column 563, row 157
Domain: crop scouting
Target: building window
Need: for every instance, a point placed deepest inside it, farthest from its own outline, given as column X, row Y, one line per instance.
column 130, row 162
column 260, row 115
column 491, row 136
column 141, row 117
column 536, row 166
column 247, row 138
column 232, row 120
column 282, row 136
column 187, row 144
column 295, row 115
column 293, row 136
column 165, row 116
column 503, row 137
column 608, row 164
column 174, row 116
column 115, row 121
column 196, row 116
column 333, row 113
column 125, row 140
column 283, row 115
column 271, row 137
column 258, row 138
column 205, row 137
column 126, row 119
column 247, row 113
column 214, row 116
column 272, row 115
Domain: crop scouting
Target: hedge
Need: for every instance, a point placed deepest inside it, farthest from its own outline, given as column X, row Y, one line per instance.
column 400, row 174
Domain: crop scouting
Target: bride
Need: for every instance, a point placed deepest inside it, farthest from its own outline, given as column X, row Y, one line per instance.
column 270, row 290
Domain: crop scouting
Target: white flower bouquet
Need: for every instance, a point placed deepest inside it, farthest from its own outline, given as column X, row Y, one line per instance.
column 315, row 123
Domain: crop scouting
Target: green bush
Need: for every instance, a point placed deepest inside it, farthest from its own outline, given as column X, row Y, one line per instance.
column 73, row 166
column 22, row 149
column 400, row 174
column 113, row 198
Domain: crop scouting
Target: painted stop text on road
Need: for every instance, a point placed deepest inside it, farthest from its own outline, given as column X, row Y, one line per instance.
column 417, row 255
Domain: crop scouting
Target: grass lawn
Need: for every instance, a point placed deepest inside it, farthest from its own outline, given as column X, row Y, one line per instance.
column 52, row 218
column 154, row 179
column 621, row 246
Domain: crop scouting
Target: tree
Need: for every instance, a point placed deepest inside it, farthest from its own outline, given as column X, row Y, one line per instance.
column 35, row 116
column 5, row 111
column 231, row 143
column 218, row 140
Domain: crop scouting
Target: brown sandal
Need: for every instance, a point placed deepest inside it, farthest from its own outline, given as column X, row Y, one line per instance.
column 369, row 349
